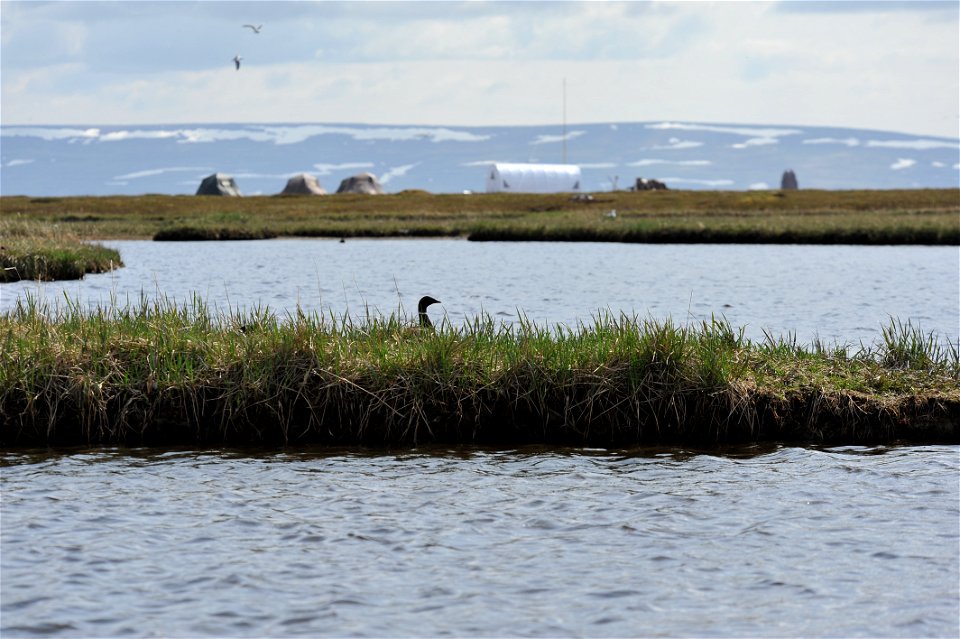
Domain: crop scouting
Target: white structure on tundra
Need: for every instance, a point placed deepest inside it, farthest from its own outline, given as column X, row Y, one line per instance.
column 532, row 178
column 303, row 184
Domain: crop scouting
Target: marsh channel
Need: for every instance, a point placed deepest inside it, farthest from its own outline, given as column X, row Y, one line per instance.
column 766, row 542
column 763, row 540
column 837, row 294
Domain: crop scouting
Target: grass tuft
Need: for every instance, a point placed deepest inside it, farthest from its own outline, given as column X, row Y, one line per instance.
column 165, row 373
column 37, row 251
column 907, row 346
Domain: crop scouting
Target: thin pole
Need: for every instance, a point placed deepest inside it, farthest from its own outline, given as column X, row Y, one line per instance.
column 564, row 120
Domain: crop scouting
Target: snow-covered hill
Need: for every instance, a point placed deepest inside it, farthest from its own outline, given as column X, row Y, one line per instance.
column 115, row 160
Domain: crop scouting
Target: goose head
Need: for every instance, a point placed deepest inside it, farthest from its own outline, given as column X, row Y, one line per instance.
column 422, row 305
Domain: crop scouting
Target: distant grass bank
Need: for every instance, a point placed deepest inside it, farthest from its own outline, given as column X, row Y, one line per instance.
column 824, row 217
column 39, row 251
column 160, row 374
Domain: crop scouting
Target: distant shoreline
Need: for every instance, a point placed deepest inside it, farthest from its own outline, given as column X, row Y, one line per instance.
column 922, row 216
column 49, row 237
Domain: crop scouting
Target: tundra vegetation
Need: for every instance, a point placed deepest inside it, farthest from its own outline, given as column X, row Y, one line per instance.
column 31, row 250
column 159, row 373
column 162, row 373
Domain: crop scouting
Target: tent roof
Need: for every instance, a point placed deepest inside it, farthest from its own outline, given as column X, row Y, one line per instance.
column 361, row 183
column 304, row 183
column 218, row 184
column 533, row 178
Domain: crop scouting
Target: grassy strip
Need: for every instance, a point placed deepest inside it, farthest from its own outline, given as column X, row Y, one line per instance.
column 894, row 217
column 162, row 374
column 638, row 235
column 36, row 251
column 189, row 233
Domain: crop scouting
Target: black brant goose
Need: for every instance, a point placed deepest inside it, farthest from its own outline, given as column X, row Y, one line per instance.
column 425, row 301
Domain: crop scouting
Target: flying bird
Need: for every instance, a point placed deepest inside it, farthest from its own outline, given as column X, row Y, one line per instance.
column 236, row 61
column 256, row 29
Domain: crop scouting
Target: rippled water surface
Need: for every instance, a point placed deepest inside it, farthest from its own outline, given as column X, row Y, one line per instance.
column 753, row 542
column 840, row 294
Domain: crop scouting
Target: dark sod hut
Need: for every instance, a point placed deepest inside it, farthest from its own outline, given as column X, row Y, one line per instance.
column 303, row 184
column 219, row 184
column 366, row 183
column 649, row 184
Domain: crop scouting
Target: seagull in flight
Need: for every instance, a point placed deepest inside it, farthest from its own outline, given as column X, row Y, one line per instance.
column 236, row 61
column 256, row 29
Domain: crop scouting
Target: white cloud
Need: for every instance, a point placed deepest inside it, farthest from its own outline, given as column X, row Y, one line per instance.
column 754, row 142
column 676, row 144
column 916, row 145
column 116, row 136
column 755, row 131
column 844, row 141
column 597, row 165
column 205, row 135
column 397, row 171
column 327, row 169
column 49, row 133
column 295, row 134
column 499, row 63
column 679, row 180
column 902, row 163
column 19, row 162
column 549, row 139
column 651, row 162
column 151, row 172
column 757, row 135
column 274, row 134
column 759, row 186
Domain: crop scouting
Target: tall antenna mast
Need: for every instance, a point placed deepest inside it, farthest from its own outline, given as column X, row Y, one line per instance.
column 564, row 120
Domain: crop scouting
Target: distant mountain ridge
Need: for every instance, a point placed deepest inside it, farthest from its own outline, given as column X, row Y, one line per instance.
column 173, row 159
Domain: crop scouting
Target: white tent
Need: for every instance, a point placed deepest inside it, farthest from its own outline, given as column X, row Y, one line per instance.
column 365, row 183
column 303, row 184
column 218, row 184
column 532, row 178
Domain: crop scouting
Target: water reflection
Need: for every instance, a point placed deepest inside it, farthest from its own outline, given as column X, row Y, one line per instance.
column 137, row 456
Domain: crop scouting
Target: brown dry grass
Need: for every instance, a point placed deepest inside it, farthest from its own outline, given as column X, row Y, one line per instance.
column 902, row 216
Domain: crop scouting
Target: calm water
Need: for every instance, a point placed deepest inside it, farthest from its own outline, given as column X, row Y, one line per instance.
column 842, row 294
column 754, row 542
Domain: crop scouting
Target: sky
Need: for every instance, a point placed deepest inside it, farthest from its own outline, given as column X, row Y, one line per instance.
column 892, row 66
